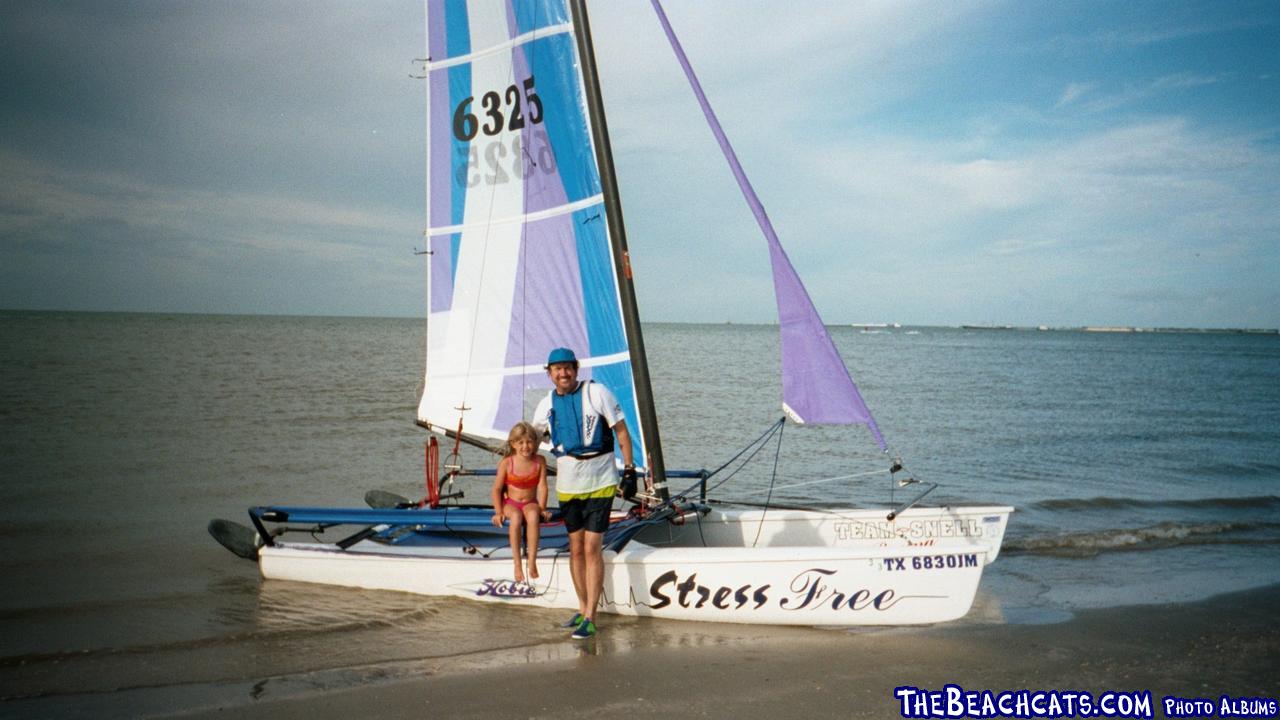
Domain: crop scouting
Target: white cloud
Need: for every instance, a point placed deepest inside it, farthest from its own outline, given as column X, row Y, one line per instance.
column 1091, row 98
column 45, row 193
column 81, row 239
column 1074, row 91
column 1160, row 208
column 259, row 138
column 1019, row 245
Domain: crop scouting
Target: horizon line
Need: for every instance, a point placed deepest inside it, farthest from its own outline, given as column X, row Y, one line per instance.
column 870, row 327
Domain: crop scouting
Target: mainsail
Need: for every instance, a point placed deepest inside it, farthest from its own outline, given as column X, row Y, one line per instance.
column 816, row 386
column 523, row 255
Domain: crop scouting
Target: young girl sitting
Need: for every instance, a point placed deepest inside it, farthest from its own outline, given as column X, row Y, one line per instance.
column 520, row 493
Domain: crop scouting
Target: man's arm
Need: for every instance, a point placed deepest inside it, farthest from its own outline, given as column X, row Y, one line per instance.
column 624, row 441
column 611, row 411
column 539, row 419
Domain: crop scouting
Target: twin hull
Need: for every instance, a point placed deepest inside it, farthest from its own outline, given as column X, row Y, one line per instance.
column 978, row 527
column 812, row 573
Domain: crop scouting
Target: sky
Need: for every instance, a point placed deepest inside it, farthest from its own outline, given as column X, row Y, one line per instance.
column 938, row 163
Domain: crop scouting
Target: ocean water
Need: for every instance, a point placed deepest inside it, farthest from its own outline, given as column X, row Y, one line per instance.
column 1144, row 468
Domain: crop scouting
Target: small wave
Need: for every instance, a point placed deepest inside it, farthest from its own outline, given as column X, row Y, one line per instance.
column 1153, row 537
column 298, row 625
column 1236, row 470
column 1261, row 502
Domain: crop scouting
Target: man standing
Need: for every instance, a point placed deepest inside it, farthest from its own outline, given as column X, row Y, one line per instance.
column 585, row 422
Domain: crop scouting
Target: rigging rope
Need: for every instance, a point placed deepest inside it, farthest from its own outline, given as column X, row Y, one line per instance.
column 772, row 479
column 830, row 479
column 760, row 441
column 750, row 451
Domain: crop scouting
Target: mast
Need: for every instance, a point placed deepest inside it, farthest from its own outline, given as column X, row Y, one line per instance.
column 618, row 238
column 426, row 198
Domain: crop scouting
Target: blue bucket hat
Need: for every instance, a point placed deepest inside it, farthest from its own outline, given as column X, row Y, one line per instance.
column 561, row 355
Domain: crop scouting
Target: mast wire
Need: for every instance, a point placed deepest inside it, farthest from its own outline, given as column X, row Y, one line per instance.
column 758, row 444
column 773, row 478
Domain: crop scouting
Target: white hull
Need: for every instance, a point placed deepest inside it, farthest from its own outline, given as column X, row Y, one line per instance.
column 976, row 528
column 810, row 574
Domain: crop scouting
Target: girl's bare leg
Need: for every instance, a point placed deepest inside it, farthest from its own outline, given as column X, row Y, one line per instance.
column 532, row 516
column 514, row 518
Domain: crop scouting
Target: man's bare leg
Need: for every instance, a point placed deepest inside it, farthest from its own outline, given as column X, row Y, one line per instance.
column 593, row 550
column 578, row 568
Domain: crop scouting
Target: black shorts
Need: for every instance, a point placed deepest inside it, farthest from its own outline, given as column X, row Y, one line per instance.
column 591, row 514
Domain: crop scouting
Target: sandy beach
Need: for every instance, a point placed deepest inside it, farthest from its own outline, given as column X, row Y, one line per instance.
column 1228, row 645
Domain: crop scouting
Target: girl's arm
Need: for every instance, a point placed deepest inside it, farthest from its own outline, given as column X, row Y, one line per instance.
column 542, row 488
column 499, row 483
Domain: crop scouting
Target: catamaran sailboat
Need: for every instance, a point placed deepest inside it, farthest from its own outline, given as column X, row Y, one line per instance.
column 527, row 252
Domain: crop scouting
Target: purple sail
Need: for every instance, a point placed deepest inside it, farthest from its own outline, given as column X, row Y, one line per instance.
column 816, row 386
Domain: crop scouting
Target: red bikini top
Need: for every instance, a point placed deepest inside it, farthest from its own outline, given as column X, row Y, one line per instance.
column 525, row 482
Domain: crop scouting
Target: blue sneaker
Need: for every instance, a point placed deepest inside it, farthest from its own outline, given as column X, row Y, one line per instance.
column 585, row 631
column 573, row 622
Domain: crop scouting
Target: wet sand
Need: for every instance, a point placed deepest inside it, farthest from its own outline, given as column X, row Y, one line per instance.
column 1226, row 645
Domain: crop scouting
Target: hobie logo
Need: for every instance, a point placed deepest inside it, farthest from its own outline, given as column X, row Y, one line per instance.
column 506, row 588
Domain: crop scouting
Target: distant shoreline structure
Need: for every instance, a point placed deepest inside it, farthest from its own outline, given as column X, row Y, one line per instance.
column 1131, row 329
column 874, row 326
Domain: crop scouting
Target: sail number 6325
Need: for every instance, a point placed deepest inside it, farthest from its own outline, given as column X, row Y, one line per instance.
column 496, row 112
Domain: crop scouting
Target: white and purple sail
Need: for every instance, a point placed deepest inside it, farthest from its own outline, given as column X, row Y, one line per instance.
column 816, row 386
column 521, row 258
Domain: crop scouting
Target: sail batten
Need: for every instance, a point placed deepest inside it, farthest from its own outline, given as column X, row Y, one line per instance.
column 816, row 385
column 504, row 46
column 566, row 209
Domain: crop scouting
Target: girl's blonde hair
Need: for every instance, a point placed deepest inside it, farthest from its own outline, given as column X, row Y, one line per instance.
column 519, row 431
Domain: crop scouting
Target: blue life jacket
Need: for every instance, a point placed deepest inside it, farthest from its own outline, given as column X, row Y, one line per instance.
column 566, row 423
